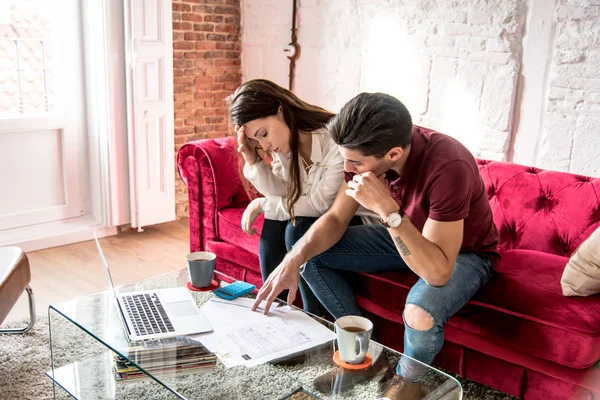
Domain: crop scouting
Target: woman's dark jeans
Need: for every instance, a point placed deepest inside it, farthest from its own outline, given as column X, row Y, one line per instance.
column 276, row 239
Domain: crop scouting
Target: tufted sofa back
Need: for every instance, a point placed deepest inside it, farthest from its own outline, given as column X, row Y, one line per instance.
column 541, row 210
column 533, row 209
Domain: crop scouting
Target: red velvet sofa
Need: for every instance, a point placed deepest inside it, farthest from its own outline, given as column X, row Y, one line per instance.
column 519, row 335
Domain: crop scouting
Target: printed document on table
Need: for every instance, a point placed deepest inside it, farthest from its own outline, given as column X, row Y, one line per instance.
column 243, row 337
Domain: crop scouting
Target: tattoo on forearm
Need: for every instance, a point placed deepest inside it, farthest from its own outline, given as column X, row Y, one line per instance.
column 400, row 244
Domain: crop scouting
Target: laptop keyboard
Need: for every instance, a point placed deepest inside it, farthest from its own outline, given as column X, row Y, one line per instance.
column 147, row 314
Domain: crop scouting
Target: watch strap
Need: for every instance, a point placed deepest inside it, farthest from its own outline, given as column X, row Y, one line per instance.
column 399, row 212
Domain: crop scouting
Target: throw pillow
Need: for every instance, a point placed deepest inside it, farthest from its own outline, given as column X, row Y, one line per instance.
column 581, row 276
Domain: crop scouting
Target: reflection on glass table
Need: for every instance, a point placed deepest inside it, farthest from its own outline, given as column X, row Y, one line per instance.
column 87, row 339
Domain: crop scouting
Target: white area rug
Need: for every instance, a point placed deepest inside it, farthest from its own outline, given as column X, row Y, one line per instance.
column 24, row 360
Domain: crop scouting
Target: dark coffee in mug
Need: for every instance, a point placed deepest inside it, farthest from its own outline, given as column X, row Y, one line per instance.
column 201, row 265
column 355, row 329
column 353, row 335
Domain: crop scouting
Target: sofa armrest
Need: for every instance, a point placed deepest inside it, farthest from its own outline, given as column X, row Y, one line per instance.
column 209, row 169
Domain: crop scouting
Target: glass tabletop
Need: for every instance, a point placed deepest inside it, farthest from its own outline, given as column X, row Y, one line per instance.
column 89, row 346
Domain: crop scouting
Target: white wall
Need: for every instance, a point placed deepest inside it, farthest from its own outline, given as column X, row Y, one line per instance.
column 570, row 139
column 512, row 79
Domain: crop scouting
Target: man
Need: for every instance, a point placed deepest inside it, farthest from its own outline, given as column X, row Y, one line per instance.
column 436, row 222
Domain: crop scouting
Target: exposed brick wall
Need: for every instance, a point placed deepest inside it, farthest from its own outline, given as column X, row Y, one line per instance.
column 206, row 69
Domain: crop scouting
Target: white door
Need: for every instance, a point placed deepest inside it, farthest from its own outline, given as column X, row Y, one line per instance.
column 150, row 111
column 42, row 120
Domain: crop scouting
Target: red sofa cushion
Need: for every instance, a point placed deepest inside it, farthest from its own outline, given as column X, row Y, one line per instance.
column 522, row 307
column 230, row 229
column 536, row 318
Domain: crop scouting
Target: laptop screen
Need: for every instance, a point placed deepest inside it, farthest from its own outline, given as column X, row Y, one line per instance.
column 110, row 283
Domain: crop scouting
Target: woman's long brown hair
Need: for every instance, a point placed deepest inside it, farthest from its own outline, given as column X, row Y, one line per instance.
column 260, row 98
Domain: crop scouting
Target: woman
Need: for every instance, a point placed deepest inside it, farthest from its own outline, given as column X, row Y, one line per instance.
column 303, row 179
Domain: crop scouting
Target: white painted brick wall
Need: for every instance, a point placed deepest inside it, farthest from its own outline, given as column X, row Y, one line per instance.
column 455, row 66
column 570, row 140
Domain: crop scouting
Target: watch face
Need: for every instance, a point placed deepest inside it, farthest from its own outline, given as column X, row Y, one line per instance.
column 394, row 220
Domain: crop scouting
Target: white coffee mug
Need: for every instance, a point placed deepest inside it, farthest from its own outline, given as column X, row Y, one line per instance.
column 353, row 337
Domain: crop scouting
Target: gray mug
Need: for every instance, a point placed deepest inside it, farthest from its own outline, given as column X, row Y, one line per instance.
column 201, row 266
column 353, row 337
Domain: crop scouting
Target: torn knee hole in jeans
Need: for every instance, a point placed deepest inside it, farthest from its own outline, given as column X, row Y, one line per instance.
column 430, row 322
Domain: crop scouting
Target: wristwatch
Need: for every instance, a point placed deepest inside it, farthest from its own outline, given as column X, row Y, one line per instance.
column 393, row 220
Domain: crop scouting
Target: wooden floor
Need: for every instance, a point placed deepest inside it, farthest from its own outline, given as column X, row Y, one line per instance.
column 66, row 272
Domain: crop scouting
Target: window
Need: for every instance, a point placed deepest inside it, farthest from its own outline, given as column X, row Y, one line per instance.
column 27, row 81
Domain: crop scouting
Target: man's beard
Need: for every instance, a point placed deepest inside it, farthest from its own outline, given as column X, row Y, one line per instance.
column 382, row 167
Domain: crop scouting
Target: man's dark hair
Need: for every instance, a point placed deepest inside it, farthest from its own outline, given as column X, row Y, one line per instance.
column 372, row 123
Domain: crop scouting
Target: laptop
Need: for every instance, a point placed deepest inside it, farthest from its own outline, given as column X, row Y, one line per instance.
column 156, row 314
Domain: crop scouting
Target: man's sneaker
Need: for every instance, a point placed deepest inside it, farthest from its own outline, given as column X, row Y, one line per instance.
column 399, row 389
column 340, row 379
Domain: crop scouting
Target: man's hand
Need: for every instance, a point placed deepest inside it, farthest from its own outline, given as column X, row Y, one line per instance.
column 371, row 192
column 285, row 276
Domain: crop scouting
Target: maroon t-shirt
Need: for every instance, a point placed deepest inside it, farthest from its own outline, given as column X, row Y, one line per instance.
column 441, row 181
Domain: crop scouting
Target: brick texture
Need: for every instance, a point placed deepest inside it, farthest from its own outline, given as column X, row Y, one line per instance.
column 455, row 67
column 206, row 69
column 570, row 140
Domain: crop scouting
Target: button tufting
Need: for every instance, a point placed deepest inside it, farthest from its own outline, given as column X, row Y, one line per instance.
column 560, row 244
column 545, row 201
column 512, row 231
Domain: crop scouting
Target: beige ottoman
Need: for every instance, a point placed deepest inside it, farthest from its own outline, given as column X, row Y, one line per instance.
column 15, row 276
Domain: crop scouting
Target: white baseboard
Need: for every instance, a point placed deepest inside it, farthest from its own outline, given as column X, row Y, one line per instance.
column 53, row 234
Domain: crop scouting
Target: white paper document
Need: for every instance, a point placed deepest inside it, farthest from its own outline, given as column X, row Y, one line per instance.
column 244, row 337
column 277, row 334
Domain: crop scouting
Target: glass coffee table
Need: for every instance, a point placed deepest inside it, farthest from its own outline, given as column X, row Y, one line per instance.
column 86, row 334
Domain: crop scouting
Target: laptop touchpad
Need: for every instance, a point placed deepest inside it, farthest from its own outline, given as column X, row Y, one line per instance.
column 180, row 309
